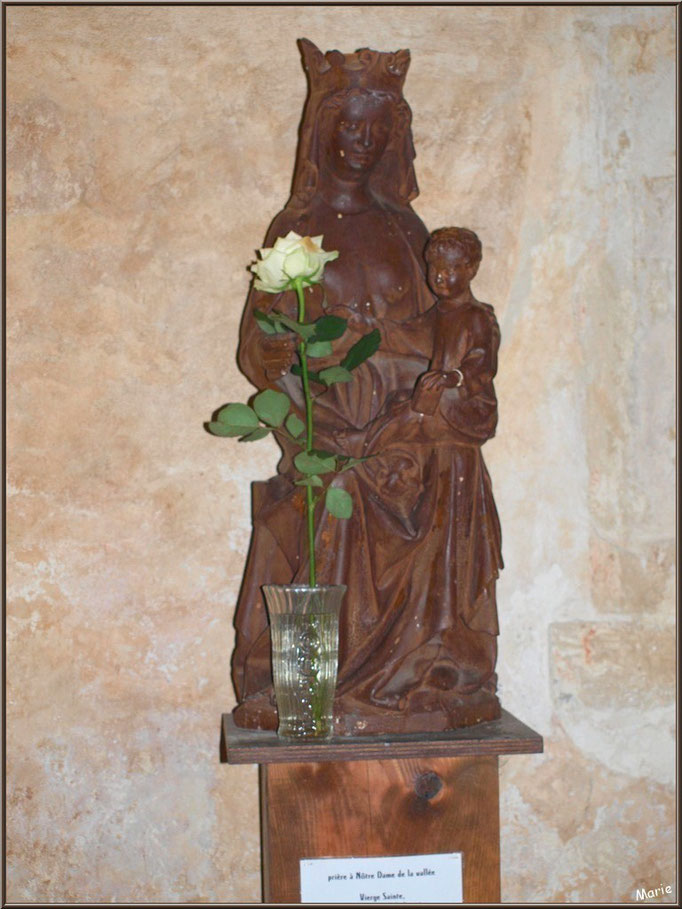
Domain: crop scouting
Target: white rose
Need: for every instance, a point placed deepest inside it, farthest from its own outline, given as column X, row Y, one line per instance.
column 291, row 257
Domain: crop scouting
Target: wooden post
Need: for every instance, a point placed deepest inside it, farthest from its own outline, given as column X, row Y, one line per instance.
column 381, row 796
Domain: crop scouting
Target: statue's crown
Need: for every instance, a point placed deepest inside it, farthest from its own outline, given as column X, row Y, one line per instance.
column 365, row 69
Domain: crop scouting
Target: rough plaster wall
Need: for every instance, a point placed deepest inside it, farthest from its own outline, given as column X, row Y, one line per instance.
column 148, row 149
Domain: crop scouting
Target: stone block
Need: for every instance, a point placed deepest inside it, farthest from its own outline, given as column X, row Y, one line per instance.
column 613, row 691
column 612, row 665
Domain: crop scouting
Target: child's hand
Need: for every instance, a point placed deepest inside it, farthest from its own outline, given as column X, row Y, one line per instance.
column 437, row 378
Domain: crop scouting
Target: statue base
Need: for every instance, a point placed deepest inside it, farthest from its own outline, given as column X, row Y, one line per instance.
column 414, row 796
column 444, row 713
column 439, row 712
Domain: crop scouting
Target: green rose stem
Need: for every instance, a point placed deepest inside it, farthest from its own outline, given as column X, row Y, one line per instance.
column 310, row 503
column 316, row 695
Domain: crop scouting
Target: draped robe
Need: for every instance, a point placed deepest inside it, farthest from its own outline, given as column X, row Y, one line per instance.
column 421, row 552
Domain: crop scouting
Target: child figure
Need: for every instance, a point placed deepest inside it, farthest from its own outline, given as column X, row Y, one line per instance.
column 453, row 403
column 426, row 476
column 454, row 400
column 465, row 334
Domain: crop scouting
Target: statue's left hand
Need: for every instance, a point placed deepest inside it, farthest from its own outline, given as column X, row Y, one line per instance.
column 350, row 441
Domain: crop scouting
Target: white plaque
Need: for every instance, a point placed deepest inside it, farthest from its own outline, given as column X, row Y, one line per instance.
column 386, row 879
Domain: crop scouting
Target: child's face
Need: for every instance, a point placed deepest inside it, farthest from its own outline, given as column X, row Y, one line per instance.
column 449, row 272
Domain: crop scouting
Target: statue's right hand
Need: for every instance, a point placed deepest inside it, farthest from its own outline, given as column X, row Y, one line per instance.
column 278, row 353
column 358, row 320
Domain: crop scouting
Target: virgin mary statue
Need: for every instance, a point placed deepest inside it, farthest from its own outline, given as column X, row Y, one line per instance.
column 421, row 553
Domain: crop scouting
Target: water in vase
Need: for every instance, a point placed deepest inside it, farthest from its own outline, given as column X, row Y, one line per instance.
column 304, row 660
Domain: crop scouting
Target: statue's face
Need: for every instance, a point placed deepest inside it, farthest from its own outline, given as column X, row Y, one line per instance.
column 449, row 272
column 360, row 135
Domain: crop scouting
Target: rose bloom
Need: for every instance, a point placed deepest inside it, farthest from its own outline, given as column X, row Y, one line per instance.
column 291, row 257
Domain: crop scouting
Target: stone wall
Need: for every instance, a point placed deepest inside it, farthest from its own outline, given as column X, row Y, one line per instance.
column 148, row 149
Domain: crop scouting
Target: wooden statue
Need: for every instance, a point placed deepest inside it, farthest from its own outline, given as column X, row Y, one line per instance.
column 421, row 553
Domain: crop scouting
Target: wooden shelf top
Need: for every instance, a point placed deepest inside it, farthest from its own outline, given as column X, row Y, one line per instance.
column 504, row 736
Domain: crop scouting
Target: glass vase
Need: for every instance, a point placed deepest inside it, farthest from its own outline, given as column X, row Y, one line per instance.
column 304, row 630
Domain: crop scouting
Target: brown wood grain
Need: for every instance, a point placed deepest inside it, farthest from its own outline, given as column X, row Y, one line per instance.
column 373, row 808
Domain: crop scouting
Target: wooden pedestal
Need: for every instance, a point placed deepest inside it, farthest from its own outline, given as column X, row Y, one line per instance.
column 381, row 796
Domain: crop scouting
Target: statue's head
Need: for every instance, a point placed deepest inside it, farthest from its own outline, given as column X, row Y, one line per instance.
column 355, row 128
column 356, row 123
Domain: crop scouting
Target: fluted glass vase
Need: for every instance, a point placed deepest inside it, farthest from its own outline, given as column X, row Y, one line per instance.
column 304, row 629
